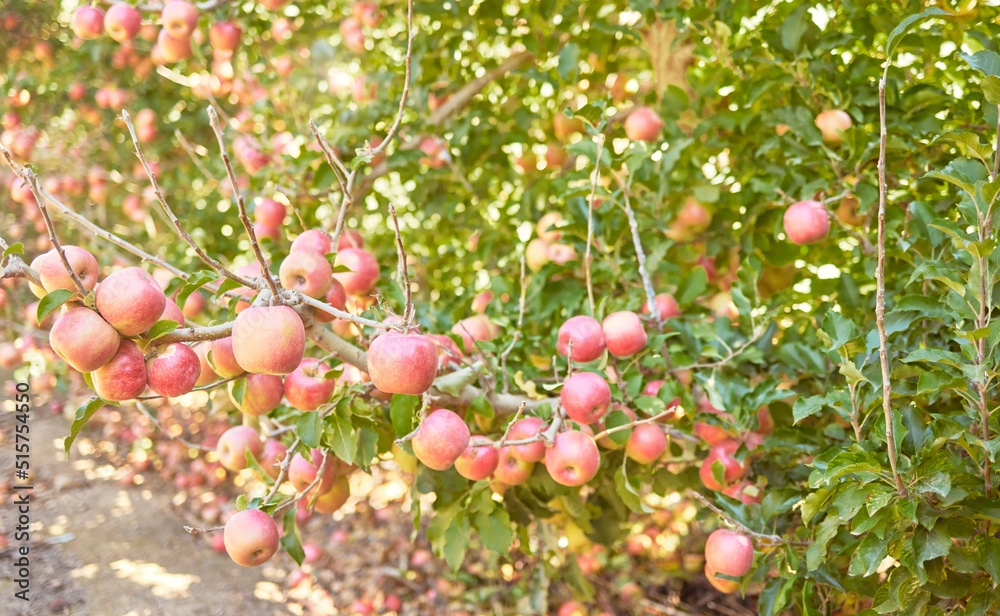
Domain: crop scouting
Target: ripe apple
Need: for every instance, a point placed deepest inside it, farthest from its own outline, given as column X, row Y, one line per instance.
column 477, row 327
column 643, row 124
column 733, row 470
column 83, row 339
column 623, row 333
column 555, row 156
column 233, row 445
column 721, row 585
column 477, row 463
column 573, row 459
column 745, row 492
column 251, row 537
column 806, row 222
column 765, row 422
column 225, row 36
column 274, row 452
column 10, row 356
column 440, row 439
column 122, row 22
column 366, row 12
column 173, row 371
column 269, row 212
column 268, row 339
column 336, row 296
column 364, row 272
column 306, row 272
column 313, row 240
column 173, row 312
column 263, row 394
column 527, row 427
column 88, row 22
column 193, row 305
column 666, row 305
column 124, row 377
column 510, row 470
column 179, row 19
column 573, row 608
column 207, row 373
column 482, row 301
column 646, row 443
column 692, row 220
column 306, row 388
column 349, row 238
column 130, row 300
column 729, row 553
column 302, row 472
column 561, row 254
column 585, row 396
column 169, row 49
column 536, row 254
column 334, row 498
column 54, row 275
column 402, row 363
column 223, row 361
column 565, row 127
column 587, row 336
column 831, row 122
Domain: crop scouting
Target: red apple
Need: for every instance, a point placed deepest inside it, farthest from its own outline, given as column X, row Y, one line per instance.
column 274, row 452
column 88, row 22
column 349, row 238
column 561, row 254
column 646, row 443
column 193, row 305
column 306, row 389
column 573, row 608
column 643, row 124
column 207, row 373
column 733, row 470
column 83, row 339
column 529, row 427
column 729, row 553
column 334, row 498
column 122, row 22
column 402, row 363
column 721, row 585
column 666, row 306
column 449, row 355
column 225, row 36
column 179, row 19
column 536, row 254
column 302, row 472
column 573, row 459
column 440, row 439
column 173, row 312
column 477, row 463
column 223, row 361
column 364, row 272
column 269, row 339
column 806, row 222
column 313, row 240
column 475, row 328
column 587, row 336
column 308, row 273
column 831, row 122
column 585, row 397
column 54, row 275
column 173, row 371
column 263, row 394
column 124, row 377
column 251, row 537
column 269, row 212
column 169, row 49
column 745, row 492
column 765, row 422
column 510, row 470
column 336, row 296
column 130, row 300
column 623, row 333
column 233, row 445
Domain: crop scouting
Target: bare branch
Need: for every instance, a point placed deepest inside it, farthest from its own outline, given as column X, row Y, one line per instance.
column 283, row 471
column 647, row 283
column 467, row 92
column 404, row 276
column 761, row 538
column 406, row 83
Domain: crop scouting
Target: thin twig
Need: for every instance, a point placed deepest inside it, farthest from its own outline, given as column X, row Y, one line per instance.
column 404, row 276
column 510, row 425
column 195, row 531
column 315, row 482
column 647, row 283
column 193, row 155
column 202, row 388
column 632, row 424
column 406, row 83
column 765, row 539
column 282, row 470
column 213, row 118
column 29, row 177
column 595, row 178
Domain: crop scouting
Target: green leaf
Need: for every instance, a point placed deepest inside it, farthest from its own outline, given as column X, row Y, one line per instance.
column 613, row 420
column 227, row 285
column 693, row 286
column 482, row 406
column 292, row 540
column 898, row 31
column 985, row 61
column 852, row 374
column 592, row 112
column 569, row 61
column 968, row 142
column 807, row 407
column 83, row 415
column 340, row 433
column 17, row 248
column 495, row 530
column 840, row 329
column 308, row 429
column 794, row 26
column 239, row 390
column 194, row 283
column 628, row 494
column 51, row 301
column 989, row 556
column 991, row 89
column 162, row 328
column 401, row 411
column 868, row 556
column 241, row 502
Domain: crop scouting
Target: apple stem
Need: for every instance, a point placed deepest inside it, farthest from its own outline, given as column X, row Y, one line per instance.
column 406, row 83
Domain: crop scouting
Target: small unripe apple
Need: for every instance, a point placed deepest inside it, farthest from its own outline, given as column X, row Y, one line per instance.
column 179, row 18
column 624, row 334
column 733, row 470
column 173, row 371
column 263, row 394
column 83, row 339
column 88, row 22
column 402, row 363
column 643, row 124
column 54, row 275
column 573, row 459
column 646, row 443
column 587, row 336
column 528, row 427
column 806, row 222
column 124, row 377
column 666, row 305
column 364, row 272
column 832, row 122
column 251, row 537
column 122, row 22
column 307, row 272
column 233, row 445
column 729, row 553
column 268, row 339
column 477, row 463
column 510, row 470
column 306, row 388
column 585, row 397
column 440, row 439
